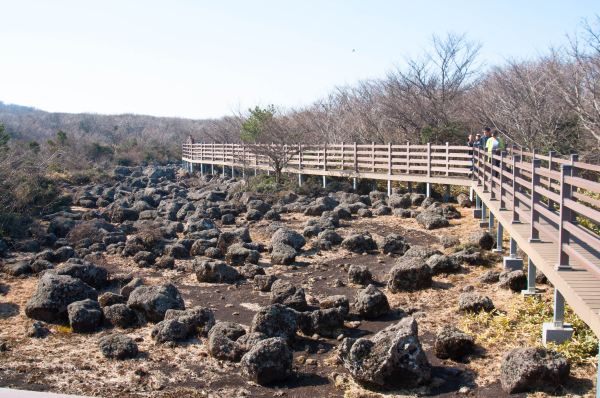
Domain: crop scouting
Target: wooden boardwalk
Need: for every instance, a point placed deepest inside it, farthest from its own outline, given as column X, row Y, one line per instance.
column 563, row 193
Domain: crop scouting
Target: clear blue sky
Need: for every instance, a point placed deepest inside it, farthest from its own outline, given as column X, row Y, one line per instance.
column 209, row 58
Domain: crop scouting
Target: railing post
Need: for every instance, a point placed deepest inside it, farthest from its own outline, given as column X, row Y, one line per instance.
column 551, row 204
column 565, row 216
column 482, row 162
column 342, row 155
column 325, row 166
column 373, row 157
column 515, row 186
column 407, row 157
column 389, row 181
column 502, row 182
column 492, row 185
column 535, row 200
column 355, row 159
column 429, row 159
column 447, row 159
column 574, row 158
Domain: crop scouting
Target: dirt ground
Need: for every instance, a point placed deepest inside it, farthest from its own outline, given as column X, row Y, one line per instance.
column 72, row 363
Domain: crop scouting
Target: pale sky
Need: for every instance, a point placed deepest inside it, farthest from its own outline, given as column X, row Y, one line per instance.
column 202, row 59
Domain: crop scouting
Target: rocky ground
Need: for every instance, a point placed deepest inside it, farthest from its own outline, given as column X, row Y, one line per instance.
column 164, row 284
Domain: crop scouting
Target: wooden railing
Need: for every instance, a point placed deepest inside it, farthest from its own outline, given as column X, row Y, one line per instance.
column 558, row 198
column 453, row 161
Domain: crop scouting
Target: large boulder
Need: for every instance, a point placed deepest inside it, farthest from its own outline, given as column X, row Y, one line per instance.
column 154, row 301
column 53, row 295
column 327, row 322
column 275, row 320
column 84, row 316
column 432, row 220
column 268, row 361
column 391, row 358
column 409, row 274
column 215, row 272
column 453, row 343
column 371, row 303
column 531, row 369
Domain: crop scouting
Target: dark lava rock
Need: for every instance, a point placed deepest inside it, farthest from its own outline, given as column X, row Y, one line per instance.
column 283, row 254
column 489, row 277
column 394, row 244
column 288, row 237
column 91, row 274
column 268, row 361
column 84, row 316
column 391, row 358
column 38, row 330
column 263, row 283
column 288, row 294
column 275, row 320
column 165, row 262
column 482, row 239
column 118, row 346
column 237, row 254
column 337, row 301
column 215, row 272
column 359, row 243
column 400, row 201
column 154, row 301
column 359, row 274
column 120, row 315
column 432, row 220
column 531, row 369
column 474, row 302
column 329, row 235
column 131, row 286
column 513, row 280
column 53, row 294
column 409, row 274
column 371, row 302
column 222, row 341
column 443, row 264
column 17, row 269
column 452, row 343
column 325, row 322
column 183, row 324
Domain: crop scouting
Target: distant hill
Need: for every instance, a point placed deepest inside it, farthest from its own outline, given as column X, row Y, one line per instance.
column 27, row 123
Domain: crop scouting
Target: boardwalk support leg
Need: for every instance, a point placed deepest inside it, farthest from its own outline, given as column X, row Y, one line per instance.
column 355, row 183
column 471, row 193
column 299, row 180
column 477, row 209
column 410, row 187
column 324, row 181
column 389, row 188
column 483, row 223
column 202, row 169
column 530, row 291
column 428, row 190
column 512, row 262
column 499, row 238
column 224, row 171
column 491, row 222
column 212, row 166
column 557, row 331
